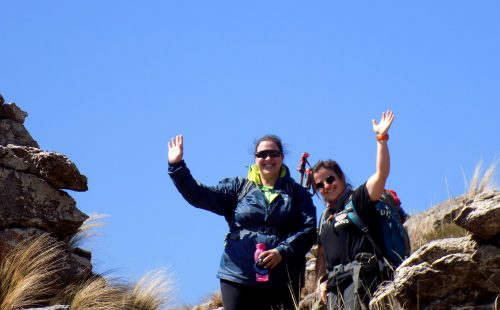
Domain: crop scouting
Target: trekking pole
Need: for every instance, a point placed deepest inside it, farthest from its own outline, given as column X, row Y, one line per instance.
column 309, row 179
column 302, row 167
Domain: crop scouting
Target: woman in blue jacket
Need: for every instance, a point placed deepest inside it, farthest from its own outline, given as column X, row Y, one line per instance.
column 267, row 207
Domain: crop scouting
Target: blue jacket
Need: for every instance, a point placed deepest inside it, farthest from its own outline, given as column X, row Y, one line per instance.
column 288, row 224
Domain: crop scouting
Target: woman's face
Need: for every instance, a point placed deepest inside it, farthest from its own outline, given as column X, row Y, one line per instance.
column 328, row 184
column 268, row 159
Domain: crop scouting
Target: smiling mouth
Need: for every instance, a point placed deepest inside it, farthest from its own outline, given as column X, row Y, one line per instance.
column 330, row 190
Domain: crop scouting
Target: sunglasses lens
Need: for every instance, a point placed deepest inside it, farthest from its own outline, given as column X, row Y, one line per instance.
column 319, row 185
column 330, row 179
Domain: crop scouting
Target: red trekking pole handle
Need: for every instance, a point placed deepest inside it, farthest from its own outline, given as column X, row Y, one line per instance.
column 302, row 167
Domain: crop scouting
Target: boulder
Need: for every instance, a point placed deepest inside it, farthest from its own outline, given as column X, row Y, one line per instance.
column 28, row 201
column 55, row 168
column 12, row 132
column 453, row 273
column 13, row 112
column 482, row 216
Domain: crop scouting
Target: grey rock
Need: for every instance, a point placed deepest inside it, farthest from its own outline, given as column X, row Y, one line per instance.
column 28, row 201
column 447, row 273
column 11, row 132
column 9, row 159
column 13, row 112
column 452, row 273
column 53, row 167
column 11, row 237
column 482, row 217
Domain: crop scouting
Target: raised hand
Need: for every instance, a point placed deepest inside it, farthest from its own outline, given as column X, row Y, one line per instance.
column 385, row 122
column 175, row 149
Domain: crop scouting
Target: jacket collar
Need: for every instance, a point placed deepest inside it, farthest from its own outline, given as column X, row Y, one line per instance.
column 254, row 175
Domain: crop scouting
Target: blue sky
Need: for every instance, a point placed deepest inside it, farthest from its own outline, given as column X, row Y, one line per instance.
column 107, row 83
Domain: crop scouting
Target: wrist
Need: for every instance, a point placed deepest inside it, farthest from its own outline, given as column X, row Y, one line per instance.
column 383, row 137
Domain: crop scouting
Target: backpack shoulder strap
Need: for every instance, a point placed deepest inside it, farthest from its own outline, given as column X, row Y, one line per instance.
column 354, row 217
column 322, row 220
column 290, row 189
column 244, row 188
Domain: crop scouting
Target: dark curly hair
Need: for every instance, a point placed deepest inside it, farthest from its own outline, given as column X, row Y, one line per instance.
column 332, row 165
column 272, row 138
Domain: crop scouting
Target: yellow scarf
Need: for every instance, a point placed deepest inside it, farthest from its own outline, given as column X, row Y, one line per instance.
column 269, row 192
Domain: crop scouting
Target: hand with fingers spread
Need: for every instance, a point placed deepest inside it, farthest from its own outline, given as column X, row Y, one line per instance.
column 175, row 149
column 385, row 122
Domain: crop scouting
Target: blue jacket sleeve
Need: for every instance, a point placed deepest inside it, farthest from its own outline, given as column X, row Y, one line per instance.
column 304, row 237
column 220, row 199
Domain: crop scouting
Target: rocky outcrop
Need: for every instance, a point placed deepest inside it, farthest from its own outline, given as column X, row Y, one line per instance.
column 28, row 201
column 12, row 130
column 55, row 168
column 15, row 133
column 13, row 112
column 454, row 273
column 32, row 199
column 480, row 218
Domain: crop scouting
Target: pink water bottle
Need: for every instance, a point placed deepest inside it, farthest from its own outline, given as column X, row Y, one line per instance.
column 261, row 273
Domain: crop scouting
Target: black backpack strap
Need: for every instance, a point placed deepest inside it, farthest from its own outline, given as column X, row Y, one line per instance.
column 244, row 188
column 354, row 217
column 322, row 221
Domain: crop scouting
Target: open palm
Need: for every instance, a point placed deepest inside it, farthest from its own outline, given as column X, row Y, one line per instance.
column 175, row 149
column 385, row 122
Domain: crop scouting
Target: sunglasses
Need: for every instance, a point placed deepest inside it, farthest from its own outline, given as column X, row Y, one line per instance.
column 329, row 180
column 268, row 153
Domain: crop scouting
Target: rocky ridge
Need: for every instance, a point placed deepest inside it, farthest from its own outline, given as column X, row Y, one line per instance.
column 33, row 200
column 453, row 273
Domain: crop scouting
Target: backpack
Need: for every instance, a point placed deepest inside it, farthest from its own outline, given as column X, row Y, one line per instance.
column 395, row 241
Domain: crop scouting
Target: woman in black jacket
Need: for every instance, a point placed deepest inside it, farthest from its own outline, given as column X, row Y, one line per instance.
column 267, row 207
column 346, row 258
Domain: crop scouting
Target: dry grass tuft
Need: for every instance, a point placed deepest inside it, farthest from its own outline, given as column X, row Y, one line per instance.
column 385, row 302
column 152, row 292
column 448, row 230
column 212, row 301
column 216, row 299
column 480, row 184
column 86, row 230
column 28, row 274
column 95, row 294
column 417, row 232
column 425, row 231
